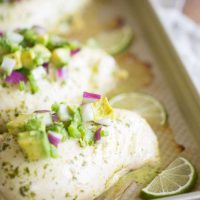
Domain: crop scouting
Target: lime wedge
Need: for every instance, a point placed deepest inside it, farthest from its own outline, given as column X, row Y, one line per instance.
column 179, row 177
column 143, row 104
column 115, row 41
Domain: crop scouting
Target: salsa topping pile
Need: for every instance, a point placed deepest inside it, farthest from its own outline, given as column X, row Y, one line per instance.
column 39, row 134
column 27, row 55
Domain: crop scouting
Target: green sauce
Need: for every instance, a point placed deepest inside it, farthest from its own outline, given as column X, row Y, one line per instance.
column 144, row 174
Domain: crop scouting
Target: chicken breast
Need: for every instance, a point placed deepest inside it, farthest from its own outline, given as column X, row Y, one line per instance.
column 46, row 13
column 90, row 69
column 79, row 173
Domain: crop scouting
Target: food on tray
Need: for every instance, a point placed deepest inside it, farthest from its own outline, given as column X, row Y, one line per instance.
column 63, row 151
column 38, row 69
column 49, row 14
column 179, row 177
column 143, row 104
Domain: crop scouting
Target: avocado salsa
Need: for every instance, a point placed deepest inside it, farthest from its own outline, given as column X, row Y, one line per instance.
column 27, row 54
column 40, row 133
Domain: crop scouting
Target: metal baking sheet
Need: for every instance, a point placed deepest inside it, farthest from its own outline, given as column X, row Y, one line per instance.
column 166, row 80
column 170, row 83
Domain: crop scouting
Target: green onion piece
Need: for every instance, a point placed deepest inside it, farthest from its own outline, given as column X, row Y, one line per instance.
column 73, row 131
column 21, row 86
column 53, row 151
column 104, row 133
column 33, row 85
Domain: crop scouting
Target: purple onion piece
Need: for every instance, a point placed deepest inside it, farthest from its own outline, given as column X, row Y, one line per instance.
column 75, row 51
column 46, row 66
column 1, row 33
column 54, row 139
column 98, row 134
column 62, row 73
column 55, row 117
column 16, row 77
column 42, row 111
column 90, row 97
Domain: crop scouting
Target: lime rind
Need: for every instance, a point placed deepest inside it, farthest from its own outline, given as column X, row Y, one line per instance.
column 145, row 193
column 115, row 41
column 145, row 105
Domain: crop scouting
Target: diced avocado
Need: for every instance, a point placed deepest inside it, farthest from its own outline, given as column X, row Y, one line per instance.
column 34, row 144
column 60, row 57
column 29, row 122
column 35, row 123
column 42, row 54
column 7, row 47
column 30, row 37
column 35, row 56
column 27, row 58
column 17, row 56
column 102, row 109
column 17, row 125
column 38, row 121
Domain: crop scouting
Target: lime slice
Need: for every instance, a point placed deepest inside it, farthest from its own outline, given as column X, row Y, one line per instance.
column 143, row 104
column 115, row 41
column 179, row 177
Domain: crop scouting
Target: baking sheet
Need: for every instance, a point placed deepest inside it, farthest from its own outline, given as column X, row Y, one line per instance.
column 174, row 140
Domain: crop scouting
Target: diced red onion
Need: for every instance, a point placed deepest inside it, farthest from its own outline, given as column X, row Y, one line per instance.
column 41, row 111
column 87, row 112
column 54, row 138
column 14, row 37
column 1, row 33
column 98, row 134
column 62, row 73
column 16, row 77
column 55, row 117
column 46, row 115
column 105, row 122
column 46, row 66
column 8, row 64
column 39, row 73
column 63, row 113
column 75, row 51
column 90, row 97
